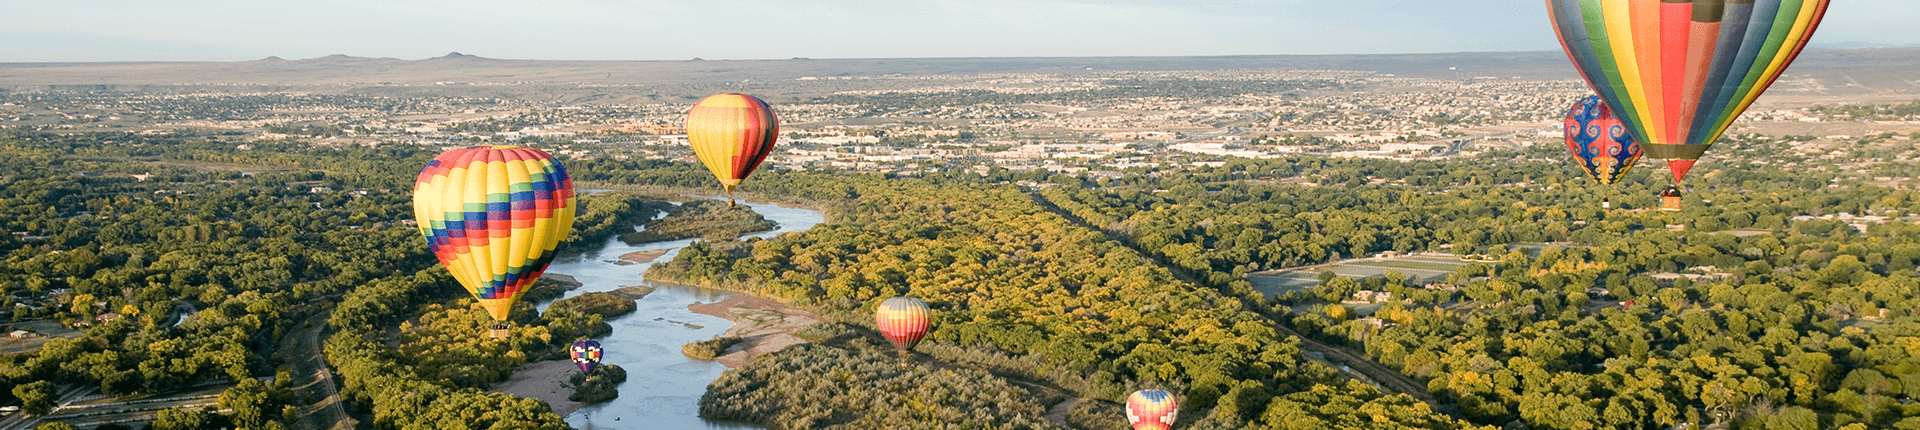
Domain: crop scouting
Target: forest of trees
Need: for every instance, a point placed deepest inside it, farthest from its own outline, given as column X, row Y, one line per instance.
column 1805, row 325
column 1810, row 326
column 208, row 269
column 707, row 219
column 1016, row 290
column 1080, row 287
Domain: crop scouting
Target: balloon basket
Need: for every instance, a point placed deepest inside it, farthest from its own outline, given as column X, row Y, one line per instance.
column 499, row 332
column 1670, row 199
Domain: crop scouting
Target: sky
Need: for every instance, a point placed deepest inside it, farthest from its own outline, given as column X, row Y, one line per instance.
column 240, row 30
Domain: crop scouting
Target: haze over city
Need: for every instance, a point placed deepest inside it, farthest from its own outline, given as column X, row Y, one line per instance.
column 238, row 30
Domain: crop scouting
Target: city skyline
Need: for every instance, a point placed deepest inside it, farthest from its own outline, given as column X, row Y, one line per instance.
column 224, row 30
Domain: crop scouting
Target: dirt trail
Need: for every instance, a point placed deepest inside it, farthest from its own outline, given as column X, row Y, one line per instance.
column 1058, row 414
column 1352, row 359
column 312, row 378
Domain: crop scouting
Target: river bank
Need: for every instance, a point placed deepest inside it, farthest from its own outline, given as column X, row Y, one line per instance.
column 646, row 256
column 664, row 387
column 545, row 380
column 763, row 326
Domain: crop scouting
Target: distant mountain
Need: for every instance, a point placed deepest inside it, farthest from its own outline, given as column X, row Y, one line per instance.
column 1854, row 69
column 1856, row 45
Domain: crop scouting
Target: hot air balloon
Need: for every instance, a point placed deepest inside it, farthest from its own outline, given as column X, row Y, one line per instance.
column 586, row 354
column 732, row 133
column 493, row 216
column 904, row 321
column 1152, row 410
column 1599, row 141
column 1670, row 199
column 1677, row 72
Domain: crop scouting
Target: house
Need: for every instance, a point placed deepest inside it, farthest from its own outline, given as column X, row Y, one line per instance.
column 1368, row 296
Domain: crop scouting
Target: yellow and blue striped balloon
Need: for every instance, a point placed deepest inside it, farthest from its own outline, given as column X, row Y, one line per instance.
column 494, row 216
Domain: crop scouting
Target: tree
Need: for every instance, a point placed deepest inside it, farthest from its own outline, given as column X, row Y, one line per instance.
column 36, row 398
column 179, row 419
column 249, row 402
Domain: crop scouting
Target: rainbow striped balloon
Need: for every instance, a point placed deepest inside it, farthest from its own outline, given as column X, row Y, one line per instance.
column 904, row 321
column 732, row 134
column 493, row 216
column 586, row 354
column 1677, row 72
column 1152, row 410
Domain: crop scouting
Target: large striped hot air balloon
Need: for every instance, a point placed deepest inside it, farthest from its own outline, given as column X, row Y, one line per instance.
column 732, row 133
column 904, row 321
column 586, row 354
column 493, row 216
column 1677, row 72
column 1599, row 141
column 1152, row 410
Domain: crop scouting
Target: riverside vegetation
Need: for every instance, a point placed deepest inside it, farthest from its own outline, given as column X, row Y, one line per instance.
column 1795, row 322
column 1806, row 324
column 707, row 219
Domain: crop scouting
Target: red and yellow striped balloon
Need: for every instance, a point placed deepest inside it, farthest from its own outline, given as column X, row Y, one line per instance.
column 1678, row 72
column 494, row 216
column 732, row 134
column 1152, row 410
column 904, row 321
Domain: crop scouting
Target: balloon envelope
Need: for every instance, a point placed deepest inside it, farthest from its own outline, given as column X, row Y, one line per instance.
column 1677, row 72
column 904, row 321
column 586, row 354
column 1599, row 141
column 1152, row 410
column 732, row 134
column 493, row 216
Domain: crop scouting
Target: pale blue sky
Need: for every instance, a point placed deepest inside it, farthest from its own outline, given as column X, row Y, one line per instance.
column 234, row 30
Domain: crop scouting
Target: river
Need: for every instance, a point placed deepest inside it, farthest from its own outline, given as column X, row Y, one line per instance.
column 663, row 387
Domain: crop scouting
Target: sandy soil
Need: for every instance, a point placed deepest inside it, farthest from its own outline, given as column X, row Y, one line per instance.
column 645, row 256
column 762, row 325
column 635, row 292
column 546, row 380
column 566, row 280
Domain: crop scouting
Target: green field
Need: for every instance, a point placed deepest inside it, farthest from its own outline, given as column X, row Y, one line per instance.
column 1420, row 268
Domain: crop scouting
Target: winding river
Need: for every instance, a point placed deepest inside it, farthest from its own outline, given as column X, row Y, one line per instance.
column 663, row 387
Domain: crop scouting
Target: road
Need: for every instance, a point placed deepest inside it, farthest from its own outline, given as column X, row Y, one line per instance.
column 313, row 379
column 1354, row 360
column 84, row 407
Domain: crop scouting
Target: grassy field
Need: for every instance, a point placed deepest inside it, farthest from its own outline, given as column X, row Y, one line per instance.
column 1423, row 268
column 46, row 328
